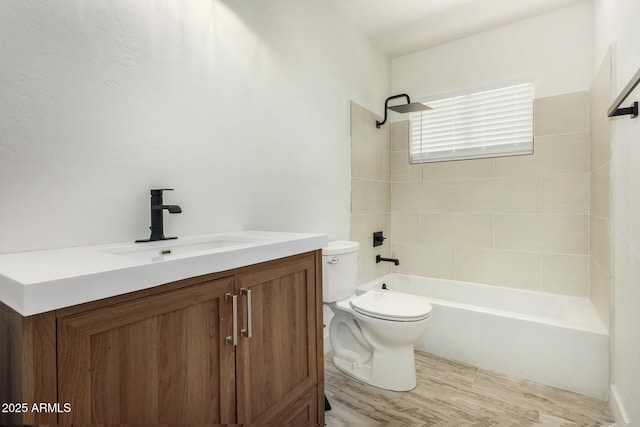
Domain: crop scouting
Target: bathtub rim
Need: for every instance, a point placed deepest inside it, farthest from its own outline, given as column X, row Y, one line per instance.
column 600, row 329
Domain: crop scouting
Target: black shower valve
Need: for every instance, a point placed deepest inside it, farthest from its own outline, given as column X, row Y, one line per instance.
column 378, row 238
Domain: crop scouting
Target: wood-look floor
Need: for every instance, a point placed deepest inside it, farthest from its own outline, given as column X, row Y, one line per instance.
column 456, row 394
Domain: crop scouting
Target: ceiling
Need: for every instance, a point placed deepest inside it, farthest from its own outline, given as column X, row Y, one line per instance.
column 399, row 27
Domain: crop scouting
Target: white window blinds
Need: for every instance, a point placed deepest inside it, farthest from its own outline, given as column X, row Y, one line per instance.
column 481, row 123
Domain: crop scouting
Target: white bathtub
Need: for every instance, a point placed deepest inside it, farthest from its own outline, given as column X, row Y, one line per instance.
column 551, row 339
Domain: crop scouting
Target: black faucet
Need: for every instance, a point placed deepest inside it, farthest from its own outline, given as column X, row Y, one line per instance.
column 157, row 211
column 393, row 260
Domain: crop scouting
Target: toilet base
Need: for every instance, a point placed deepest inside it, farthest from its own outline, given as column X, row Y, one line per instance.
column 390, row 370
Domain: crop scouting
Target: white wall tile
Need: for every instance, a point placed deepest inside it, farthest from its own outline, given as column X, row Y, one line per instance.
column 600, row 192
column 512, row 221
column 405, row 227
column 600, row 99
column 600, row 293
column 400, row 135
column 565, row 194
column 562, row 114
column 499, row 195
column 496, row 267
column 464, row 230
column 459, row 169
column 430, row 196
column 367, row 146
column 362, row 228
column 425, row 260
column 553, row 154
column 565, row 274
column 401, row 170
column 369, row 196
column 543, row 233
column 600, row 243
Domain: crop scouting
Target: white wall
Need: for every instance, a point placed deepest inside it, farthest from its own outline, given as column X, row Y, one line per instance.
column 241, row 106
column 555, row 48
column 616, row 23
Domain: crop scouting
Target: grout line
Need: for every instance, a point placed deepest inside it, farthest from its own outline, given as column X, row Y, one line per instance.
column 484, row 248
column 604, row 218
column 493, row 226
column 456, row 272
column 488, row 178
column 551, row 135
column 540, row 271
column 607, row 163
column 540, row 194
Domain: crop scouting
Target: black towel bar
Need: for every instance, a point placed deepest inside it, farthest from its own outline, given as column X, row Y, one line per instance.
column 614, row 110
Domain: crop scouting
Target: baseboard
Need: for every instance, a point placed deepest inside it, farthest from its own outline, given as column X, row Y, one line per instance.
column 327, row 344
column 617, row 408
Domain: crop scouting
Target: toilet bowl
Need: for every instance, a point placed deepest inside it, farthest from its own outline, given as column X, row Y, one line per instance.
column 372, row 334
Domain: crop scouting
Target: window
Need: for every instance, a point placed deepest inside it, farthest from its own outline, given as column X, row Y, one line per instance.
column 489, row 122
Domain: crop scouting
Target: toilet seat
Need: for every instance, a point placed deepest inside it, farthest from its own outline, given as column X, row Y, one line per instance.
column 393, row 306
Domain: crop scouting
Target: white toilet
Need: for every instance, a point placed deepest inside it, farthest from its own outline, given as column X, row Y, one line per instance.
column 372, row 334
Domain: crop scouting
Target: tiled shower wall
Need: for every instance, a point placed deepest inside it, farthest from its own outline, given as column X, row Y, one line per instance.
column 599, row 213
column 520, row 222
column 370, row 190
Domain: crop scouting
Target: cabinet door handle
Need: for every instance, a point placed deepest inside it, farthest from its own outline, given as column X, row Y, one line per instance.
column 249, row 331
column 233, row 338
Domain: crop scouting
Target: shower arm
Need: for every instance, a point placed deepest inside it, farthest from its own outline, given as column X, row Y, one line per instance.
column 386, row 104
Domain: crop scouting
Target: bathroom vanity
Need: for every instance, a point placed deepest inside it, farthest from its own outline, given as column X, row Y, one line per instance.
column 239, row 344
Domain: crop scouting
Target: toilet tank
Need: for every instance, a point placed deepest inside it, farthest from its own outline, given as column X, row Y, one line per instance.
column 339, row 270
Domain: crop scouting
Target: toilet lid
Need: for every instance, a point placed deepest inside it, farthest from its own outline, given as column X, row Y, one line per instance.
column 392, row 305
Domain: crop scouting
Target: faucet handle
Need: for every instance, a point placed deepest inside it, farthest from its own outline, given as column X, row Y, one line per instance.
column 158, row 191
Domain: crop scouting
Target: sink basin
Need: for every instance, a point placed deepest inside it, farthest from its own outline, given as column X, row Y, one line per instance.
column 166, row 249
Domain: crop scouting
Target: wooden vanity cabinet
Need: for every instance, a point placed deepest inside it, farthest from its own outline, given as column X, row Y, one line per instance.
column 161, row 359
column 166, row 356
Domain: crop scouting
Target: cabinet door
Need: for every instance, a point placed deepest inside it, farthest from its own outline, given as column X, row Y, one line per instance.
column 304, row 412
column 156, row 360
column 278, row 364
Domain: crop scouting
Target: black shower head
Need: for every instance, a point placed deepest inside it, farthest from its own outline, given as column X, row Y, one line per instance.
column 409, row 107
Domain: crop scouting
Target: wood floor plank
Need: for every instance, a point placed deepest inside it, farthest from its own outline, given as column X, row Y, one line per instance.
column 451, row 393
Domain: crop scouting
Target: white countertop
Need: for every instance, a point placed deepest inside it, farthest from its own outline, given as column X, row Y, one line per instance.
column 40, row 281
